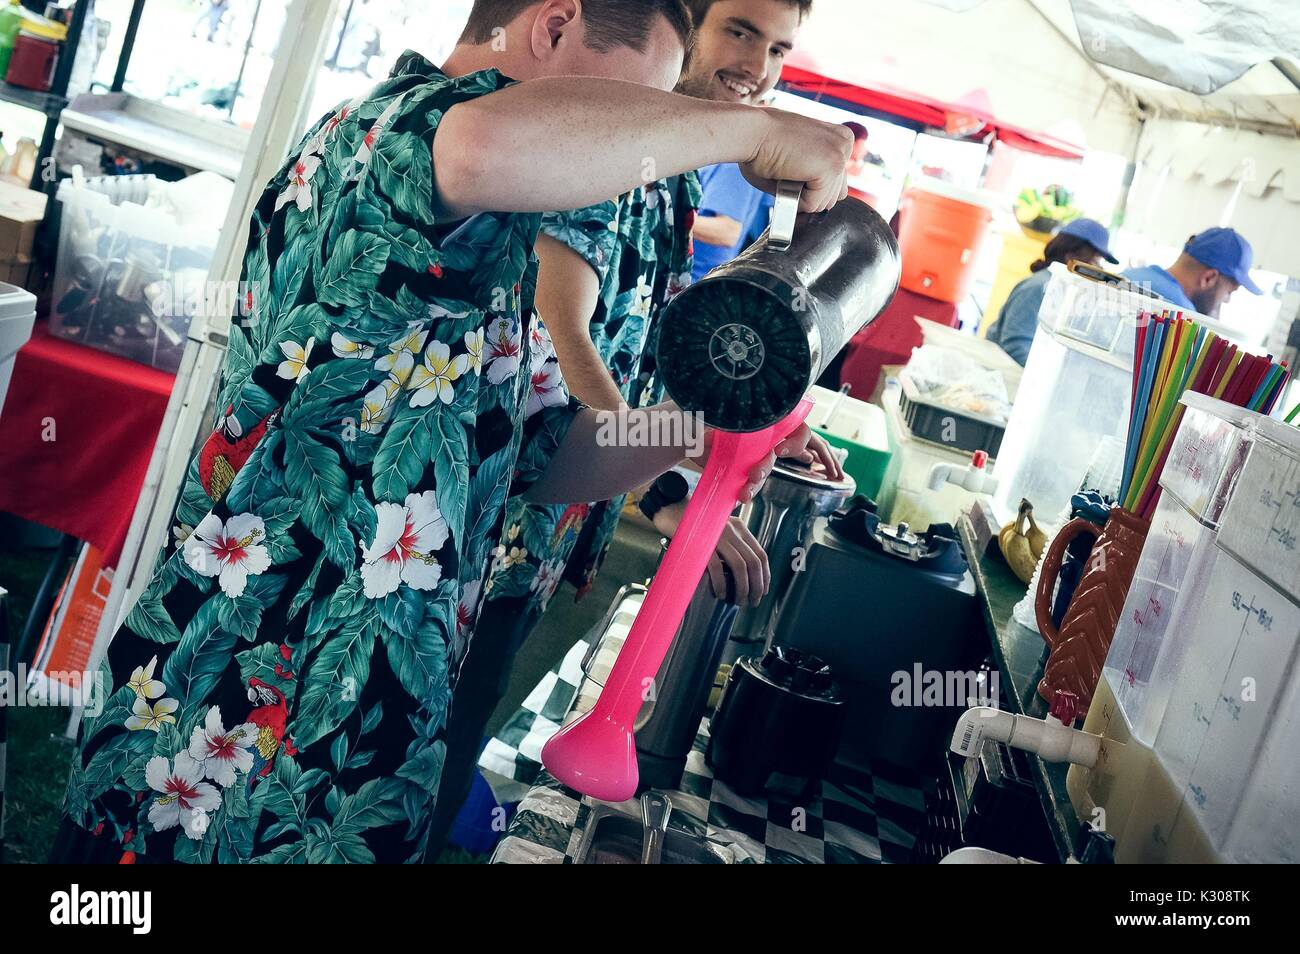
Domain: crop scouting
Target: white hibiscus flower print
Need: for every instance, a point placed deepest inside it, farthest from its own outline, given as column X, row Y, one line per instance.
column 298, row 190
column 406, row 539
column 294, row 365
column 347, row 348
column 467, row 607
column 367, row 147
column 229, row 551
column 185, row 799
column 433, row 379
column 542, row 347
column 504, row 348
column 547, row 388
column 221, row 755
column 547, row 579
column 151, row 716
column 143, row 682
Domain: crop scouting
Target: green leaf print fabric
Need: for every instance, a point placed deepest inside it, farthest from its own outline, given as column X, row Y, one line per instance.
column 640, row 248
column 279, row 692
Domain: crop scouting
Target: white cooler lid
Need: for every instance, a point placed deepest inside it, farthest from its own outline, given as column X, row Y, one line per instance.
column 17, row 314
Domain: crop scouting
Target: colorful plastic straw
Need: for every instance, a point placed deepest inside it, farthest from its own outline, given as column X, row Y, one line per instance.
column 1173, row 355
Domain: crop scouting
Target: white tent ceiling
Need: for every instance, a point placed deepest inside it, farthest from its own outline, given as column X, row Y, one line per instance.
column 1036, row 61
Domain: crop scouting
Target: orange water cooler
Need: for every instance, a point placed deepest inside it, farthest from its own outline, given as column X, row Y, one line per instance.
column 941, row 229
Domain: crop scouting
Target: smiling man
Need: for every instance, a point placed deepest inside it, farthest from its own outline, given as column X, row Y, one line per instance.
column 738, row 52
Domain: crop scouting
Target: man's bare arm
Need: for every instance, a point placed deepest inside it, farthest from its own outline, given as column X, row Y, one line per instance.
column 592, row 463
column 720, row 230
column 567, row 294
column 569, row 142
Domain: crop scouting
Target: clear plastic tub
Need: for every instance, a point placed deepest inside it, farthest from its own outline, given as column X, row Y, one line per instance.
column 1075, row 391
column 129, row 276
column 1199, row 702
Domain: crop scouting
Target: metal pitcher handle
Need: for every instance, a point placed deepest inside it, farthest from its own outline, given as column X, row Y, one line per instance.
column 784, row 212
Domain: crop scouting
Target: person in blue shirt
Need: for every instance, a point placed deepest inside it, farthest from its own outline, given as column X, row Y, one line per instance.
column 1084, row 240
column 1213, row 265
column 731, row 216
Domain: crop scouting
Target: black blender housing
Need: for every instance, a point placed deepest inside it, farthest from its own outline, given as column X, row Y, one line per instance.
column 744, row 344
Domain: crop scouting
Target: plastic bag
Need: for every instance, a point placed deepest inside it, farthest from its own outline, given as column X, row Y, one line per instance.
column 957, row 381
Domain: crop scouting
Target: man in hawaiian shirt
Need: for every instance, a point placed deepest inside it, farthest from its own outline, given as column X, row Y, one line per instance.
column 605, row 273
column 279, row 691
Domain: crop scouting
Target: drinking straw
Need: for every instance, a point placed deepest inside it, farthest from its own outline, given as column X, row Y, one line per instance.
column 1160, row 433
column 1278, row 389
column 1263, row 370
column 1170, row 374
column 1139, row 346
column 1292, row 415
column 1229, row 370
column 1210, row 365
column 1137, row 416
column 1245, row 371
column 1265, row 387
column 1147, row 397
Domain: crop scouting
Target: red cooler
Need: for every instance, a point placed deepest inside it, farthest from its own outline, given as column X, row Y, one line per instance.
column 941, row 228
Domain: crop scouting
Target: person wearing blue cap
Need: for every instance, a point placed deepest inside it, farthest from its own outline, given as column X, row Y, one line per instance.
column 1213, row 265
column 1083, row 240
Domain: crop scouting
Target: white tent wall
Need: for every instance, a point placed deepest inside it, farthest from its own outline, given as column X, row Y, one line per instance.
column 1035, row 76
column 1220, row 176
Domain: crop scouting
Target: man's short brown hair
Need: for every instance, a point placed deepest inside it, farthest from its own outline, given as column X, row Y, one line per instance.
column 700, row 8
column 610, row 23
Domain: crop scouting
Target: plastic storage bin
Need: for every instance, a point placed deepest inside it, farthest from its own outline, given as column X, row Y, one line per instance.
column 963, row 430
column 1199, row 702
column 941, row 229
column 17, row 316
column 129, row 276
column 858, row 428
column 32, row 62
column 1075, row 390
column 15, row 18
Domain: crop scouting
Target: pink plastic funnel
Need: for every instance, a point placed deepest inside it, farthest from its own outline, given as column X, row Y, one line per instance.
column 596, row 753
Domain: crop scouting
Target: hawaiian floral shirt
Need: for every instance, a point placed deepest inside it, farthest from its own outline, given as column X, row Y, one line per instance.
column 279, row 692
column 640, row 249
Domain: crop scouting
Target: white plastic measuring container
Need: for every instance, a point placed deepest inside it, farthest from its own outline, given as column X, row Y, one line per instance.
column 1199, row 700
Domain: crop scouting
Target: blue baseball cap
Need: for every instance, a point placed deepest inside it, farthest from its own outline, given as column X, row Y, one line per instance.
column 1226, row 252
column 1092, row 232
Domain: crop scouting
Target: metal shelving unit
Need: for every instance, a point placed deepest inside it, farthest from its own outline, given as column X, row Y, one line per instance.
column 53, row 102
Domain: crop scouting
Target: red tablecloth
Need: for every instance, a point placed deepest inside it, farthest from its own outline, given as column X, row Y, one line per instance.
column 105, row 414
column 890, row 339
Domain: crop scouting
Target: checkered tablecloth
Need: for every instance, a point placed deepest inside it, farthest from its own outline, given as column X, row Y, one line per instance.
column 858, row 817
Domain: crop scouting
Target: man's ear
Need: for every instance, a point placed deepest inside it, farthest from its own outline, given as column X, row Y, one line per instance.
column 556, row 20
column 1209, row 277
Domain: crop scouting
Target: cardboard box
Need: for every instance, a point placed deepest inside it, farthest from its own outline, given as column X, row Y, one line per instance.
column 21, row 212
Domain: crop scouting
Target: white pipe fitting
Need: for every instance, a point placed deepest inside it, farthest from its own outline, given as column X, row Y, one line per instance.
column 1047, row 738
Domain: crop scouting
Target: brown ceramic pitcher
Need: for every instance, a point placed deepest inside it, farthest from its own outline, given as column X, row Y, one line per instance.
column 1079, row 647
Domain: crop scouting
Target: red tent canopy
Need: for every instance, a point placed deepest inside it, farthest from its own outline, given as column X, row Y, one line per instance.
column 808, row 80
